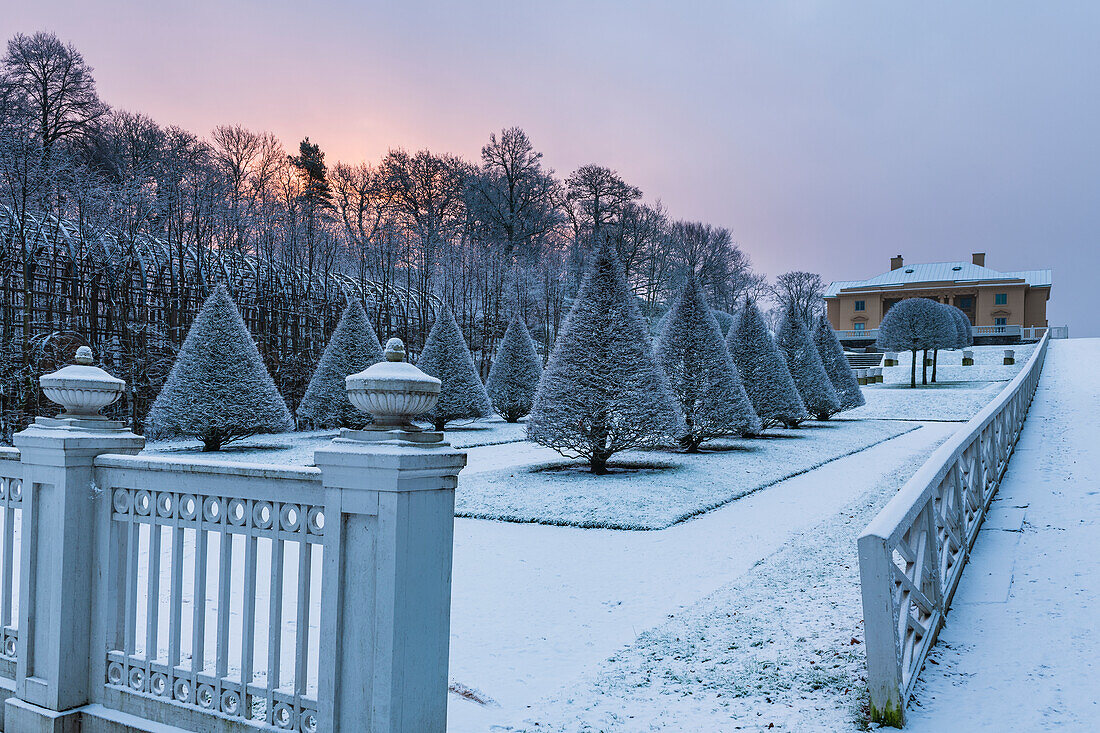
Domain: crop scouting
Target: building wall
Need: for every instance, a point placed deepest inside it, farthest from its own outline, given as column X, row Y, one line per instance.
column 1025, row 306
column 1035, row 306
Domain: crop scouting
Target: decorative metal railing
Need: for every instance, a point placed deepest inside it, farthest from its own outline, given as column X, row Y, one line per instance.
column 912, row 554
column 217, row 574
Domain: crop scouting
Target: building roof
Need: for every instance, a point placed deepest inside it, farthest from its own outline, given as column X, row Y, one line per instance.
column 958, row 272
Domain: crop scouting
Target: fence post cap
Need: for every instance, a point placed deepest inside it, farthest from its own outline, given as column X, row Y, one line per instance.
column 82, row 390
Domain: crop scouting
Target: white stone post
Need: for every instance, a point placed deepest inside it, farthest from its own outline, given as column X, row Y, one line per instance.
column 386, row 583
column 968, row 357
column 55, row 646
column 1010, row 356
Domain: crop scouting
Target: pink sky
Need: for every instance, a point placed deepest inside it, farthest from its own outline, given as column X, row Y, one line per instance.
column 827, row 136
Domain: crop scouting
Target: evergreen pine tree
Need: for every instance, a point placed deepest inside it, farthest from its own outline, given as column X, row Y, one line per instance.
column 219, row 389
column 602, row 391
column 447, row 358
column 764, row 371
column 701, row 373
column 836, row 366
column 352, row 348
column 808, row 372
column 515, row 373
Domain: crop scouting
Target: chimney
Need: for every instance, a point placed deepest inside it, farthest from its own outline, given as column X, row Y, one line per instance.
column 896, row 263
column 979, row 259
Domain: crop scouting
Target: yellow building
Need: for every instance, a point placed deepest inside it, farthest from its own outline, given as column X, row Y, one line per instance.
column 1005, row 301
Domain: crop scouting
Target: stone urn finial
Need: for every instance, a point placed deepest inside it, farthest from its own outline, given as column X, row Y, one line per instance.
column 81, row 389
column 393, row 391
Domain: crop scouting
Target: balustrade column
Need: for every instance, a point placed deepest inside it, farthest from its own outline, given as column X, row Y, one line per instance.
column 58, row 529
column 386, row 581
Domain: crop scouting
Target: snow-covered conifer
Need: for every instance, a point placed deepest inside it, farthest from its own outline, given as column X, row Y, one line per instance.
column 804, row 362
column 763, row 370
column 602, row 391
column 352, row 348
column 219, row 389
column 447, row 358
column 514, row 376
column 700, row 372
column 837, row 366
column 909, row 325
column 725, row 320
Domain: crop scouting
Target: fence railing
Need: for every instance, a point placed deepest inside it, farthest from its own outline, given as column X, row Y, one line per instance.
column 11, row 511
column 137, row 592
column 913, row 552
column 1030, row 333
column 234, row 629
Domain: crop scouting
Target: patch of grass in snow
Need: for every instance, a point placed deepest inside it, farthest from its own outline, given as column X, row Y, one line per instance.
column 614, row 468
column 653, row 494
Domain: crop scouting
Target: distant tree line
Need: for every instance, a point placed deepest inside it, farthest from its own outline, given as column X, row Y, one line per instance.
column 493, row 239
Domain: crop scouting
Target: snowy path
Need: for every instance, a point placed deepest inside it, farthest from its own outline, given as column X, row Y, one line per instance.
column 536, row 606
column 1021, row 647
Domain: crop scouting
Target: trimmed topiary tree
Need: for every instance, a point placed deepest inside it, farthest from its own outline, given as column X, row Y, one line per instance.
column 700, row 372
column 764, row 371
column 447, row 358
column 814, row 386
column 219, row 389
column 514, row 376
column 352, row 348
column 602, row 391
column 840, row 372
column 910, row 325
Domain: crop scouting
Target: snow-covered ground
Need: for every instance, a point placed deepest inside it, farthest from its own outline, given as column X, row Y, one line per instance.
column 958, row 394
column 539, row 610
column 661, row 488
column 296, row 449
column 1021, row 647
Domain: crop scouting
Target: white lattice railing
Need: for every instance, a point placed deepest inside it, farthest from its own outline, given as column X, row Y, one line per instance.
column 912, row 554
column 11, row 511
column 216, row 571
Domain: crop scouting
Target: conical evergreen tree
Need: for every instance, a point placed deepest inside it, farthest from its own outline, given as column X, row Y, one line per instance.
column 514, row 376
column 764, row 371
column 808, row 372
column 700, row 372
column 352, row 348
column 219, row 389
column 836, row 366
column 602, row 391
column 447, row 358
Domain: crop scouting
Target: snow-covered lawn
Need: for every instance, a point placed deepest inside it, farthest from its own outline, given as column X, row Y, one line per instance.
column 296, row 449
column 653, row 489
column 538, row 610
column 958, row 394
column 781, row 645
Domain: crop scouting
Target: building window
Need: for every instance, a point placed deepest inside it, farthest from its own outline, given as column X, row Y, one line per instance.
column 858, row 326
column 999, row 324
column 861, row 305
column 1000, row 299
column 966, row 302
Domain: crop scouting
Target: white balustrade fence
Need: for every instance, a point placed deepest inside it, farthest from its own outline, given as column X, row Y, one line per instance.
column 215, row 573
column 913, row 552
column 140, row 592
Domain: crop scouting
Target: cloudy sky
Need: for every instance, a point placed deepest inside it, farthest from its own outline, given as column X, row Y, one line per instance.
column 827, row 135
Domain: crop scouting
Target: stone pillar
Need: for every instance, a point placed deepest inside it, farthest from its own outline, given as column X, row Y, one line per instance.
column 389, row 530
column 1010, row 356
column 968, row 357
column 58, row 528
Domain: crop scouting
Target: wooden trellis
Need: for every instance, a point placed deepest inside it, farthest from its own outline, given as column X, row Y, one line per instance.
column 133, row 302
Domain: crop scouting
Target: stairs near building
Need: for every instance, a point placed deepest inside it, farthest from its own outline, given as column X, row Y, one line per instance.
column 859, row 360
